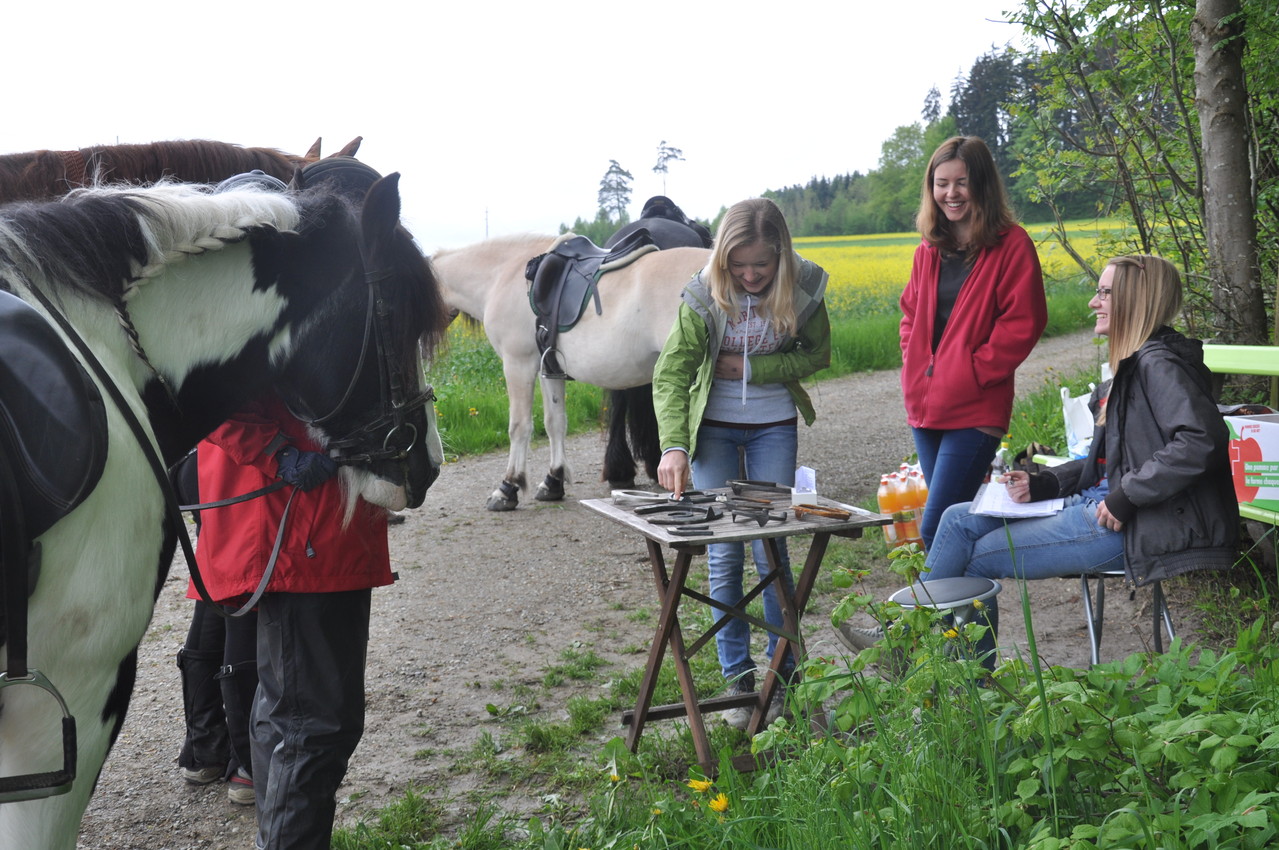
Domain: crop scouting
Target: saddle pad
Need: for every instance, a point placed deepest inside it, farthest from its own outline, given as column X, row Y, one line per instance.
column 53, row 425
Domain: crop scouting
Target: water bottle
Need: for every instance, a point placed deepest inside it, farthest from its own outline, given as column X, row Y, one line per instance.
column 1002, row 462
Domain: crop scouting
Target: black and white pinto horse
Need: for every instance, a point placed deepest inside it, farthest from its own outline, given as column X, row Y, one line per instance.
column 631, row 410
column 192, row 303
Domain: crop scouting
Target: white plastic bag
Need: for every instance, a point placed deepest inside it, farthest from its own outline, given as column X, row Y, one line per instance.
column 1079, row 421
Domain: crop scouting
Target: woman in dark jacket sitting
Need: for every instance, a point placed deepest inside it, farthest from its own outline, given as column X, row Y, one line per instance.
column 1154, row 495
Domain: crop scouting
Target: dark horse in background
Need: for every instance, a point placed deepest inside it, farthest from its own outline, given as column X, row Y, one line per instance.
column 43, row 174
column 164, row 310
column 632, row 409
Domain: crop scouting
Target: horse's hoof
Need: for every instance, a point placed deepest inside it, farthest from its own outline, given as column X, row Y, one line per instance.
column 498, row 502
column 505, row 498
column 622, row 485
column 550, row 490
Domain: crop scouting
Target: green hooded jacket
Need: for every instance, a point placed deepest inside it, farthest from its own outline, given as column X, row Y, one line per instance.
column 685, row 368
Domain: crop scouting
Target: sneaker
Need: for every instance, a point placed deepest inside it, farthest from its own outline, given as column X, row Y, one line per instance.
column 858, row 639
column 740, row 717
column 202, row 775
column 240, row 788
column 776, row 706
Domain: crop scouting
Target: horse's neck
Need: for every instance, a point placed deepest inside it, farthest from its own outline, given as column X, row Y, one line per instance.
column 205, row 311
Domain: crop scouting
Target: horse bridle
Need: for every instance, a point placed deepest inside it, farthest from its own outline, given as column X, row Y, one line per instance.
column 397, row 404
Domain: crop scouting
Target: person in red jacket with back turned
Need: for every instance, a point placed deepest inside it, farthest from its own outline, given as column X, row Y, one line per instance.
column 313, row 619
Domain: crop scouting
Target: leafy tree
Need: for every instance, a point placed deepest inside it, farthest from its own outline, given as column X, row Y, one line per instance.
column 894, row 186
column 1116, row 112
column 597, row 230
column 666, row 154
column 615, row 191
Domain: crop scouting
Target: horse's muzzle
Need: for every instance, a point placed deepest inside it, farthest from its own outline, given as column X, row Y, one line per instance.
column 401, row 448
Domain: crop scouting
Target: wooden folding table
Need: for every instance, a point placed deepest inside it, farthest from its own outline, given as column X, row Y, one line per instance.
column 672, row 589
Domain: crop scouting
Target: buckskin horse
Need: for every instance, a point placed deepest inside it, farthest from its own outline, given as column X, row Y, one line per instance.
column 42, row 174
column 151, row 315
column 614, row 349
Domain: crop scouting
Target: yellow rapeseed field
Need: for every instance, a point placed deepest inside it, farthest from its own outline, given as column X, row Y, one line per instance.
column 868, row 273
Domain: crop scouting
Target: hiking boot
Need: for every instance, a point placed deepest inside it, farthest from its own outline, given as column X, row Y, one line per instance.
column 202, row 775
column 740, row 717
column 240, row 788
column 858, row 639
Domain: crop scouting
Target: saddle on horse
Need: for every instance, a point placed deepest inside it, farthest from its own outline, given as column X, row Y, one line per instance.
column 564, row 279
column 53, row 427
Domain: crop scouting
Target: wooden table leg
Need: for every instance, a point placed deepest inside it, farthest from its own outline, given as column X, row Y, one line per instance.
column 791, row 606
column 670, row 589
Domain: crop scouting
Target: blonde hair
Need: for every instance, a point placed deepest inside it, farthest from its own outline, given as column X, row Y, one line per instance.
column 992, row 213
column 756, row 220
column 1145, row 294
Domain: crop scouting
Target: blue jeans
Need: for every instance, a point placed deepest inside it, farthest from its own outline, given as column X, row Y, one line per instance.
column 770, row 456
column 1067, row 543
column 954, row 464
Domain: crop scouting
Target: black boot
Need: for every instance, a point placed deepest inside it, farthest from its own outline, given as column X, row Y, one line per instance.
column 204, row 752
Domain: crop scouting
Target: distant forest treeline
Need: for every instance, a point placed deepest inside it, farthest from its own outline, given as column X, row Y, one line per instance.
column 994, row 100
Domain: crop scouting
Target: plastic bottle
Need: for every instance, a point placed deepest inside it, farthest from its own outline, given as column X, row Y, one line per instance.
column 921, row 498
column 1002, row 461
column 909, row 511
column 887, row 499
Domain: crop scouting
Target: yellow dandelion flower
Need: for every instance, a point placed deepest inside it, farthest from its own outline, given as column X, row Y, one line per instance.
column 950, row 634
column 700, row 785
column 473, row 412
column 978, row 604
column 656, row 812
column 613, row 777
column 719, row 803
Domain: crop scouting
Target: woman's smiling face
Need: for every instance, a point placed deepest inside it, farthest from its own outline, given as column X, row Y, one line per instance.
column 1100, row 303
column 950, row 191
column 753, row 267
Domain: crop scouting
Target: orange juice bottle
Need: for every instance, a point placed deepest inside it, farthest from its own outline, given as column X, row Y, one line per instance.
column 909, row 510
column 921, row 493
column 887, row 499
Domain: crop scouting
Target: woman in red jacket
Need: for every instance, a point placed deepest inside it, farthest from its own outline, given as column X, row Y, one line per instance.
column 971, row 313
column 313, row 619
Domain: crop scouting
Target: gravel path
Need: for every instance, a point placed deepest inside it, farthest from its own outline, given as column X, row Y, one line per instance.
column 486, row 602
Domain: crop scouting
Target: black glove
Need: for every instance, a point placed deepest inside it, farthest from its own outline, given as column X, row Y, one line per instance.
column 305, row 470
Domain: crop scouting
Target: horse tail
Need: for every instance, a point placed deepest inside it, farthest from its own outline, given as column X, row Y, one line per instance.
column 642, row 420
column 619, row 463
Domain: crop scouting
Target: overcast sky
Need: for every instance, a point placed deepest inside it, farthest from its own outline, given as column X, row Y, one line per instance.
column 501, row 116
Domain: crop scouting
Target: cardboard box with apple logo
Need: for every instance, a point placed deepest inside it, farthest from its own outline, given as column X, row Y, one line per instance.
column 1254, row 459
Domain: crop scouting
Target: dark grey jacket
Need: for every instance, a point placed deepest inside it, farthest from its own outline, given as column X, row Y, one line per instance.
column 1163, row 450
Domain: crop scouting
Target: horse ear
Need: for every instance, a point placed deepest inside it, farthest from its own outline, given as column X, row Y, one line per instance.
column 351, row 147
column 314, row 153
column 381, row 212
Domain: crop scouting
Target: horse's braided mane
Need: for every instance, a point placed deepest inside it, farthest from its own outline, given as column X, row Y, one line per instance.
column 106, row 241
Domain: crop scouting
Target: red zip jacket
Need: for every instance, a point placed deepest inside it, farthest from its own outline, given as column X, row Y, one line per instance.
column 997, row 319
column 318, row 554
